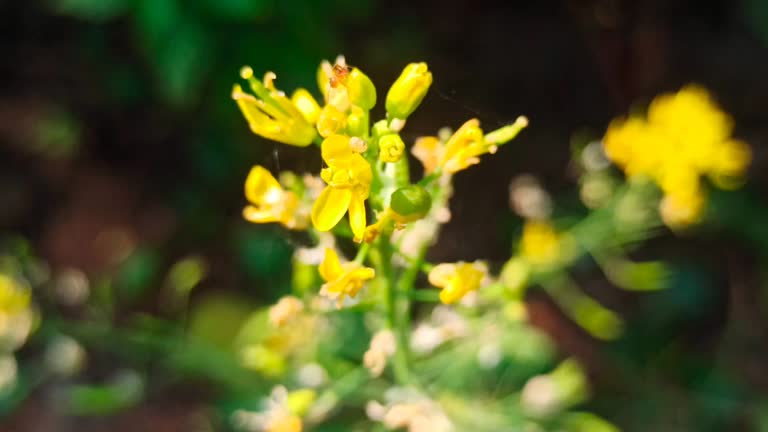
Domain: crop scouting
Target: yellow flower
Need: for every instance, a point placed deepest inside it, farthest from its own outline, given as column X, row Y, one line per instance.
column 342, row 280
column 269, row 202
column 14, row 298
column 349, row 179
column 271, row 114
column 540, row 243
column 457, row 279
column 682, row 208
column 288, row 308
column 684, row 136
column 287, row 423
column 464, row 148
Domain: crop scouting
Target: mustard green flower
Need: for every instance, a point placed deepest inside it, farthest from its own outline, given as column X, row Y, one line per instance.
column 349, row 179
column 342, row 280
column 464, row 148
column 540, row 243
column 457, row 279
column 273, row 115
column 269, row 202
column 684, row 136
column 14, row 298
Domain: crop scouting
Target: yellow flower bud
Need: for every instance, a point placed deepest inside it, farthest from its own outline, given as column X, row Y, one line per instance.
column 357, row 122
column 299, row 401
column 391, row 148
column 331, row 121
column 324, row 72
column 306, row 104
column 361, row 90
column 410, row 203
column 380, row 129
column 409, row 89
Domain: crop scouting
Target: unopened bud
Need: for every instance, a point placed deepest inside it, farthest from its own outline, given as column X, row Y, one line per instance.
column 391, row 148
column 409, row 89
column 361, row 90
column 357, row 122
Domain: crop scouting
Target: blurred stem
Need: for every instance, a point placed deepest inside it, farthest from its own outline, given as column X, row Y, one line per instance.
column 362, row 252
column 395, row 313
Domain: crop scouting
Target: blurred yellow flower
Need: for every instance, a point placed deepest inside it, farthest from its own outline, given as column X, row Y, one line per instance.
column 269, row 202
column 684, row 136
column 17, row 316
column 342, row 280
column 13, row 297
column 286, row 309
column 349, row 179
column 457, row 279
column 287, row 423
column 539, row 243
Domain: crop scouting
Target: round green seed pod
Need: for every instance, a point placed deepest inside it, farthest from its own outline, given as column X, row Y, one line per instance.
column 410, row 203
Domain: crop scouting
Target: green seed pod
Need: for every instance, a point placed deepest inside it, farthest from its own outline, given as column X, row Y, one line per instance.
column 409, row 89
column 410, row 203
column 361, row 89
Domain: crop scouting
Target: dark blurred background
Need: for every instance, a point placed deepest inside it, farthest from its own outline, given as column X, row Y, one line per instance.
column 121, row 153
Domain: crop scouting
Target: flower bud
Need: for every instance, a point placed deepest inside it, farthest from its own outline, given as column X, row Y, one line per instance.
column 380, row 129
column 391, row 148
column 410, row 203
column 409, row 89
column 361, row 90
column 507, row 133
column 324, row 77
column 306, row 104
column 357, row 122
column 299, row 401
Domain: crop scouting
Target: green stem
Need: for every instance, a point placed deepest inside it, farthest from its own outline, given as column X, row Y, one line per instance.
column 362, row 253
column 394, row 319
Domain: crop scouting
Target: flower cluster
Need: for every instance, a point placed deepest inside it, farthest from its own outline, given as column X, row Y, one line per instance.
column 365, row 171
column 683, row 137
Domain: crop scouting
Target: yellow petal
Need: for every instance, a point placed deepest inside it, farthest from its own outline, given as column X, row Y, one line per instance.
column 335, row 147
column 441, row 274
column 307, row 104
column 330, row 207
column 468, row 132
column 330, row 268
column 427, row 150
column 357, row 216
column 257, row 215
column 261, row 187
column 451, row 293
column 363, row 273
column 361, row 170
